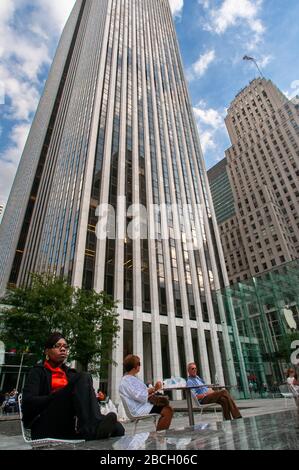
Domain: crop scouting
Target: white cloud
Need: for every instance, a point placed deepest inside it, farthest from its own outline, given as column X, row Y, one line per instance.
column 265, row 60
column 199, row 68
column 210, row 117
column 29, row 33
column 58, row 11
column 204, row 3
column 210, row 124
column 293, row 92
column 176, row 7
column 233, row 11
column 207, row 140
column 10, row 159
column 7, row 8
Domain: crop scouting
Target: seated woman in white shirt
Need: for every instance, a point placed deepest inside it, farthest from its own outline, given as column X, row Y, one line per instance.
column 137, row 394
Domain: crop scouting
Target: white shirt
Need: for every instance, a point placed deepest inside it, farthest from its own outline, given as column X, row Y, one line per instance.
column 136, row 394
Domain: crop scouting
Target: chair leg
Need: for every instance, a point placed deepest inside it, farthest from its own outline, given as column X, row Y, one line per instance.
column 135, row 427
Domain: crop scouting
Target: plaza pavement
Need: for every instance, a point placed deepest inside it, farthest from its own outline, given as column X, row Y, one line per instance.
column 11, row 438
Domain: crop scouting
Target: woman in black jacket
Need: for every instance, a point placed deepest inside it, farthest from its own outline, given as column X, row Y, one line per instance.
column 59, row 402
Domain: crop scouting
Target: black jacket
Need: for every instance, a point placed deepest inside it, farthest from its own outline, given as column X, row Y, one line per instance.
column 37, row 391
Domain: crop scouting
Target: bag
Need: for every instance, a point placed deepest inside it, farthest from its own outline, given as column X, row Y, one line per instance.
column 108, row 408
column 159, row 400
column 174, row 382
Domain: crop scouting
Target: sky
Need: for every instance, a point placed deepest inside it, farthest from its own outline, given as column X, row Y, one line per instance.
column 214, row 35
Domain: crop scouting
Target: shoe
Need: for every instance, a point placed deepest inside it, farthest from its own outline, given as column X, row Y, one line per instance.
column 106, row 426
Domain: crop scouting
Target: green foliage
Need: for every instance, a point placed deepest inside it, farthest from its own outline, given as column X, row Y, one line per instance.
column 95, row 329
column 88, row 320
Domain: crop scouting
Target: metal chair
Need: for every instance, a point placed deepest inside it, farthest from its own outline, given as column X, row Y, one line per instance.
column 135, row 419
column 295, row 393
column 285, row 393
column 26, row 433
column 196, row 402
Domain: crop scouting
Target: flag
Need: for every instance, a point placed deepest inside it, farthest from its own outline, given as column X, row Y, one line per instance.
column 246, row 57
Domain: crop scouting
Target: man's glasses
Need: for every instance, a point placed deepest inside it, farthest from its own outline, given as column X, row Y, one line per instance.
column 60, row 346
column 193, row 368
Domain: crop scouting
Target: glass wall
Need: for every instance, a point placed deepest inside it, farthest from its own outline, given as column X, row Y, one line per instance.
column 266, row 325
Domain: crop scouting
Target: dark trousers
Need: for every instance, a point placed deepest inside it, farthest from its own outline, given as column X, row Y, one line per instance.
column 74, row 404
column 229, row 408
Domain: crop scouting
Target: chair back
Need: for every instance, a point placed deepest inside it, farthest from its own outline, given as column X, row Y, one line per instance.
column 126, row 408
column 285, row 390
column 294, row 391
column 26, row 433
column 195, row 401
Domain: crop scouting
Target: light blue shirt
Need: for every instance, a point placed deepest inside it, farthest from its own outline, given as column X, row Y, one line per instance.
column 135, row 393
column 193, row 381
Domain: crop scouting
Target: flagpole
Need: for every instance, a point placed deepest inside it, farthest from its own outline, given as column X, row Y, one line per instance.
column 262, row 75
column 256, row 64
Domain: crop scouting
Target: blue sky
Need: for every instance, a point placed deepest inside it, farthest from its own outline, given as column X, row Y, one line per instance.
column 214, row 35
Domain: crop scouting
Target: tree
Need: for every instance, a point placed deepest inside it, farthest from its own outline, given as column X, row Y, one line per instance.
column 35, row 312
column 87, row 319
column 94, row 329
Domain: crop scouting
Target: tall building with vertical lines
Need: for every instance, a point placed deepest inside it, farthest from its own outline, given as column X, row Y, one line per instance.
column 115, row 126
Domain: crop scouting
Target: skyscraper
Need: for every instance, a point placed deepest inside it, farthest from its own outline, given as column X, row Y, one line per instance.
column 263, row 170
column 221, row 190
column 115, row 127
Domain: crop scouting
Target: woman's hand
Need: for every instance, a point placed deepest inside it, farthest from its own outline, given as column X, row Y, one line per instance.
column 158, row 386
column 151, row 391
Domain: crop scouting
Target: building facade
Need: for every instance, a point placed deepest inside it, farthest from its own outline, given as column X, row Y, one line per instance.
column 221, row 190
column 115, row 128
column 263, row 169
column 1, row 209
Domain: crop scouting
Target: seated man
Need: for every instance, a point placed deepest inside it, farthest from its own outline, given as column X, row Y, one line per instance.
column 206, row 395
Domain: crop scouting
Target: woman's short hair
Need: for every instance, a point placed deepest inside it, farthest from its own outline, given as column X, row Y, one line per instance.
column 53, row 339
column 130, row 362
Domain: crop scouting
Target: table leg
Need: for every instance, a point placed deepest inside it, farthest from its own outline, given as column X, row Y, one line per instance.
column 189, row 405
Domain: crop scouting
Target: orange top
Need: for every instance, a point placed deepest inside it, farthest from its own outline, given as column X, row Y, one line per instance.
column 59, row 378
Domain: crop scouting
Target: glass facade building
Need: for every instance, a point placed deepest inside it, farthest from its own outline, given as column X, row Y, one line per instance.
column 115, row 126
column 222, row 194
column 266, row 320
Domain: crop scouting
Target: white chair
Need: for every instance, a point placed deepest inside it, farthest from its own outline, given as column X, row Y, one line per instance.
column 135, row 419
column 201, row 406
column 26, row 433
column 295, row 393
column 285, row 393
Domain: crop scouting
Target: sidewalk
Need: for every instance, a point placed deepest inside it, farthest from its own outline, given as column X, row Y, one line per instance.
column 11, row 439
